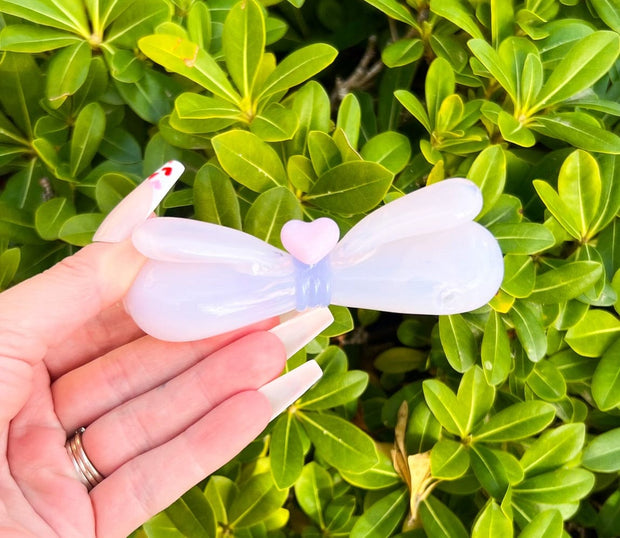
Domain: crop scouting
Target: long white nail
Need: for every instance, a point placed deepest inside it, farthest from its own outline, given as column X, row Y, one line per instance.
column 136, row 207
column 285, row 390
column 300, row 329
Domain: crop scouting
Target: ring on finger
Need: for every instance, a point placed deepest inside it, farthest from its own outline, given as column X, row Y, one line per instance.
column 86, row 471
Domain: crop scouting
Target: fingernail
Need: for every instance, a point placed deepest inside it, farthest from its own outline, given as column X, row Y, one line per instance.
column 300, row 329
column 286, row 389
column 136, row 207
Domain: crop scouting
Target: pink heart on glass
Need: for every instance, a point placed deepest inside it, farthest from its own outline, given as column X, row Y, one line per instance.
column 310, row 242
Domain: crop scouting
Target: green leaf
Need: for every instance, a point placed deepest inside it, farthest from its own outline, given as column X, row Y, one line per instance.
column 594, row 333
column 389, row 149
column 557, row 207
column 495, row 352
column 339, row 442
column 150, row 96
column 414, row 107
column 488, row 171
column 87, row 135
column 547, row 524
column 192, row 515
column 349, row 118
column 609, row 12
column 9, row 263
column 602, row 455
column 63, row 14
column 579, row 187
column 383, row 516
column 50, row 217
column 492, row 522
column 275, row 124
column 120, row 146
column 79, row 230
column 111, row 188
column 587, row 61
column 199, row 25
column 606, row 379
column 313, row 491
column 195, row 113
column 439, row 85
column 380, row 476
column 353, row 185
column 269, row 212
column 546, row 382
column 475, row 396
column 334, row 390
column 249, row 160
column 300, row 172
column 492, row 62
column 458, row 342
column 67, row 72
column 398, row 360
column 610, row 193
column 553, row 449
column 137, row 20
column 188, row 59
column 286, row 451
column 556, row 487
column 517, row 421
column 494, row 469
column 243, row 42
column 458, row 13
column 220, row 493
column 522, row 237
column 258, row 498
column 519, row 275
column 578, row 131
column 439, row 521
column 339, row 512
column 449, row 460
column 566, row 282
column 402, row 52
column 530, row 330
column 609, row 517
column 323, row 151
column 34, row 39
column 395, row 10
column 215, row 199
column 312, row 106
column 514, row 131
column 296, row 68
column 444, row 405
column 21, row 84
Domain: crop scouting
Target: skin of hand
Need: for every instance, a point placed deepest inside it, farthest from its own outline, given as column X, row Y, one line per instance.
column 161, row 416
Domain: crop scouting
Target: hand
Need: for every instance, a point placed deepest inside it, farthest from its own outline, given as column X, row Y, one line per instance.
column 160, row 416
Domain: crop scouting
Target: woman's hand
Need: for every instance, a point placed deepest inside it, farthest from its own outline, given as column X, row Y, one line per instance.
column 159, row 416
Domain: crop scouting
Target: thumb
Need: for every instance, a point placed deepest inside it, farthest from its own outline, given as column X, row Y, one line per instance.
column 47, row 308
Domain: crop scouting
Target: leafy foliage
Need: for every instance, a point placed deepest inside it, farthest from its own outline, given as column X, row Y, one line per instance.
column 498, row 422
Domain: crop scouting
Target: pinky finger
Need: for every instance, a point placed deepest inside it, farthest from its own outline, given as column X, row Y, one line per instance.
column 152, row 481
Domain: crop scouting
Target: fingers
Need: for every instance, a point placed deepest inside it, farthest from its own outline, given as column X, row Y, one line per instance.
column 150, row 482
column 86, row 393
column 160, row 414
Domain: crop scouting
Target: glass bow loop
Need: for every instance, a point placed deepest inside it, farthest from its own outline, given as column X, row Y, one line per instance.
column 420, row 254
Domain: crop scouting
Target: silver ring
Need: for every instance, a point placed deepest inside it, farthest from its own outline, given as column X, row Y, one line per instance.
column 86, row 471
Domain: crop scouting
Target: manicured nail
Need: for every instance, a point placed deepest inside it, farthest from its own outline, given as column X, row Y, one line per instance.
column 286, row 389
column 136, row 207
column 300, row 329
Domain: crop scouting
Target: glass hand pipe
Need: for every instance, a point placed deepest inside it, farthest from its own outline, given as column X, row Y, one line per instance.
column 420, row 254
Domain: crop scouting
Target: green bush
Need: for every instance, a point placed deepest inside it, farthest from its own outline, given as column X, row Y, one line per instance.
column 495, row 423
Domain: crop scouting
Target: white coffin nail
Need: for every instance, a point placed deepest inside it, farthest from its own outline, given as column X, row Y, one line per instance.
column 302, row 328
column 285, row 390
column 136, row 207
